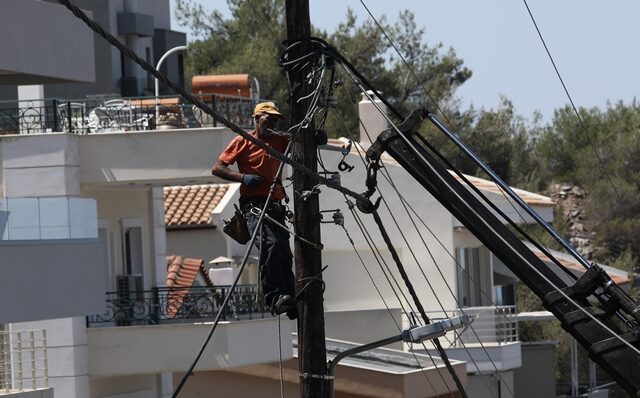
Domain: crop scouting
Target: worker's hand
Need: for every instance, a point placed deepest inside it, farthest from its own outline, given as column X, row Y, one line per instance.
column 251, row 180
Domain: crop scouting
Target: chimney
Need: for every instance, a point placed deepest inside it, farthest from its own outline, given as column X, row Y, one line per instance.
column 372, row 121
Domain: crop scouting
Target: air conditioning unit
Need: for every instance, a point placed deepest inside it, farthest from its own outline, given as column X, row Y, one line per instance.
column 129, row 287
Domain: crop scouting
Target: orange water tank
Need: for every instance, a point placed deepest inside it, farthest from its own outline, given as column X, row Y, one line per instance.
column 236, row 85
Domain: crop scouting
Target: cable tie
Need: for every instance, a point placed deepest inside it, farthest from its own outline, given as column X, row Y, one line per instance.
column 315, row 376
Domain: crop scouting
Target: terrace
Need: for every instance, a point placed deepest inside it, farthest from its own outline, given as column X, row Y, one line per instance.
column 113, row 114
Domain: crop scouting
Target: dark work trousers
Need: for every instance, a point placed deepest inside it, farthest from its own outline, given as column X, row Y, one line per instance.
column 275, row 254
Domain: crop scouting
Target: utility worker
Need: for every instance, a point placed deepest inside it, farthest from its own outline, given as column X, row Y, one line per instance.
column 256, row 172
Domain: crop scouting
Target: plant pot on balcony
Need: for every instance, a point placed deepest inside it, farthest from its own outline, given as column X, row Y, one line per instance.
column 167, row 126
column 168, row 121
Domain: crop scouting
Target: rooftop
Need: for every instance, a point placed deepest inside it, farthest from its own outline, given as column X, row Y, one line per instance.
column 192, row 205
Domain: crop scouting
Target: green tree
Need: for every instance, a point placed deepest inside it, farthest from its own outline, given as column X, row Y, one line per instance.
column 600, row 154
column 499, row 137
column 248, row 42
column 251, row 40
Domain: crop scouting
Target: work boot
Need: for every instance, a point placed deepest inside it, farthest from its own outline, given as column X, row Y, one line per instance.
column 284, row 303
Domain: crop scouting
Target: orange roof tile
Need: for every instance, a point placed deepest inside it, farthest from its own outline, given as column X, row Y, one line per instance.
column 192, row 205
column 619, row 278
column 181, row 273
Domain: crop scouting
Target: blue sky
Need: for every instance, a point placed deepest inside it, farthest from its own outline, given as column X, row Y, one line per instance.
column 591, row 42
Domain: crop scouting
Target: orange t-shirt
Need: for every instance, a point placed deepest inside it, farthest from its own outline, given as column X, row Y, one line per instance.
column 254, row 160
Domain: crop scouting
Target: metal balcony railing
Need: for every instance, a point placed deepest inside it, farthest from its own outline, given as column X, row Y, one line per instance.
column 23, row 361
column 489, row 325
column 114, row 114
column 177, row 305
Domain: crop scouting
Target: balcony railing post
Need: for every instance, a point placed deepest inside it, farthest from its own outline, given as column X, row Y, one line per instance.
column 155, row 306
column 69, row 118
column 19, row 358
column 6, row 361
column 56, row 124
column 45, row 359
column 32, row 348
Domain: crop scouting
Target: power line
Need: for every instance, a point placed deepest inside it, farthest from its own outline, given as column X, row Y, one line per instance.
column 389, row 180
column 457, row 141
column 573, row 106
column 203, row 106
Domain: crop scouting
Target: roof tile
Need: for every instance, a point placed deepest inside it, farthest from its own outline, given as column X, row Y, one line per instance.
column 191, row 205
column 181, row 274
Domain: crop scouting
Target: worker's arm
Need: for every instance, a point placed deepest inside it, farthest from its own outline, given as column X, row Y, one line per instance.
column 222, row 170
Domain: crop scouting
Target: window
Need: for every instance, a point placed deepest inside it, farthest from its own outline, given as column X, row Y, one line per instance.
column 132, row 246
column 474, row 276
column 133, row 250
column 107, row 237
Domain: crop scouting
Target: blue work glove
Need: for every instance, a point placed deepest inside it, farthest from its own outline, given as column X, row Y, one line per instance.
column 251, row 180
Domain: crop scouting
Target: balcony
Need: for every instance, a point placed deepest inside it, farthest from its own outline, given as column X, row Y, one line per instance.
column 113, row 114
column 23, row 364
column 161, row 330
column 489, row 344
column 164, row 305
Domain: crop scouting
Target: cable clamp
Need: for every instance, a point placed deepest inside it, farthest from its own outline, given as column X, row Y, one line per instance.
column 314, row 376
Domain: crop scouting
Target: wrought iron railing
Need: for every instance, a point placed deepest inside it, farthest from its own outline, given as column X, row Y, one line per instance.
column 178, row 305
column 23, row 361
column 489, row 325
column 109, row 114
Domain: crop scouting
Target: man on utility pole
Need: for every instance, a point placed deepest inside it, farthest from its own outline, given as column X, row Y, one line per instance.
column 308, row 262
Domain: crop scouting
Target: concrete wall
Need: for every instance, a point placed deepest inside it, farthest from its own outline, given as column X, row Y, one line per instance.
column 119, row 351
column 117, row 207
column 363, row 326
column 350, row 382
column 491, row 386
column 536, row 377
column 33, row 31
column 158, row 157
column 40, row 393
column 348, row 284
column 50, row 279
column 40, row 165
column 105, row 57
column 138, row 386
column 66, row 353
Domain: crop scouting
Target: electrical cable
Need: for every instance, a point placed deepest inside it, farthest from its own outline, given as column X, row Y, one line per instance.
column 386, row 271
column 353, row 245
column 280, row 357
column 573, row 106
column 386, row 175
column 470, row 327
column 467, row 151
column 437, row 266
column 203, row 106
column 251, row 242
column 418, row 304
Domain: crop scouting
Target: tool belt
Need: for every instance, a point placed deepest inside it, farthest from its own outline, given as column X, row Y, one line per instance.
column 236, row 227
column 249, row 202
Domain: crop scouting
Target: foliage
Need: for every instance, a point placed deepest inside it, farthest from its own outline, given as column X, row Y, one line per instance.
column 597, row 150
column 499, row 137
column 600, row 155
column 250, row 42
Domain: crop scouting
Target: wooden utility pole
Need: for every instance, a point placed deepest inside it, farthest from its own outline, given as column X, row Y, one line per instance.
column 308, row 262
